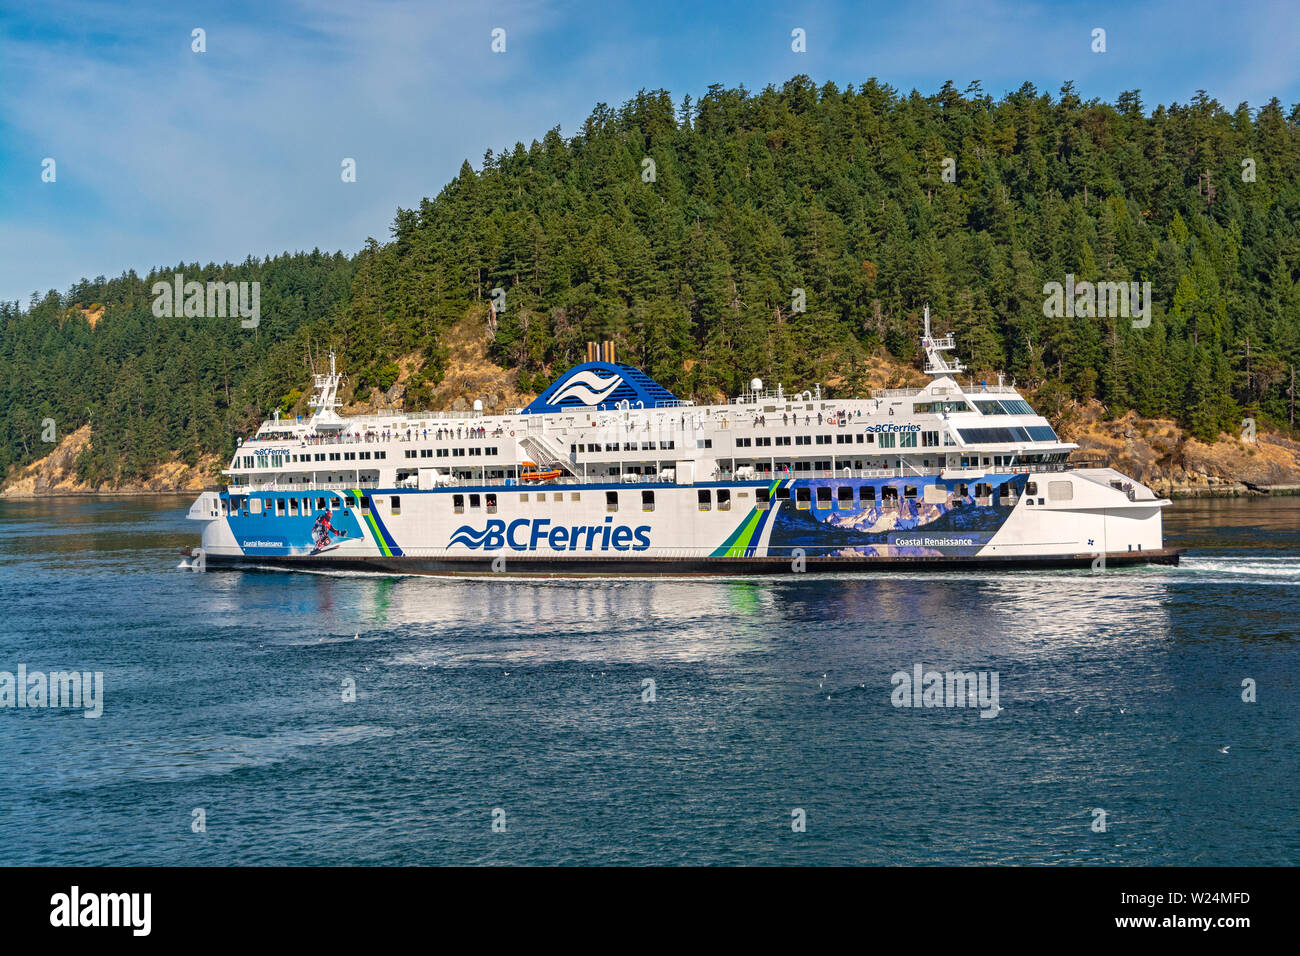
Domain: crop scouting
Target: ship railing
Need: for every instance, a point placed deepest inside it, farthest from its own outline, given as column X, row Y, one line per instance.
column 303, row 486
column 378, row 438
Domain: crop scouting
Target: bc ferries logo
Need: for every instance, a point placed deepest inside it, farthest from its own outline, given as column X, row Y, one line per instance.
column 525, row 534
column 588, row 387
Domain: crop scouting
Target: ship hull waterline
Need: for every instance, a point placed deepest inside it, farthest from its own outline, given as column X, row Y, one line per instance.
column 581, row 566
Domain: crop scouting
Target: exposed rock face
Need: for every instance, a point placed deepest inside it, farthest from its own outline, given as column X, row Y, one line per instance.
column 1158, row 453
column 471, row 374
column 56, row 474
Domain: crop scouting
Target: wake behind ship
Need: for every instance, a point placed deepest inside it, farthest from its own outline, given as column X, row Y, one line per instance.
column 607, row 472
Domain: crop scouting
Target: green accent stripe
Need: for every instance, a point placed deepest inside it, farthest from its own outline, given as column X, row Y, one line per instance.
column 738, row 543
column 380, row 537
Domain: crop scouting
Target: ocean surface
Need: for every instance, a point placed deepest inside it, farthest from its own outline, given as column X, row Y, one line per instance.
column 226, row 737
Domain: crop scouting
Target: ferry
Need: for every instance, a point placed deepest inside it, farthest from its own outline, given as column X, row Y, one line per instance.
column 608, row 473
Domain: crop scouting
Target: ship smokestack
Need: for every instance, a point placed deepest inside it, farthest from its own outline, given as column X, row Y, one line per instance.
column 608, row 348
column 592, row 355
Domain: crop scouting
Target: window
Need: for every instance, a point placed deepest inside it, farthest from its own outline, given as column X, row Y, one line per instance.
column 867, row 496
column 824, row 439
column 475, row 501
column 491, row 504
column 573, row 496
column 647, row 501
column 458, row 504
column 803, row 439
column 523, row 498
column 907, row 440
column 1031, row 488
column 365, row 504
column 886, row 439
column 743, row 443
column 909, row 491
column 256, row 506
column 611, row 501
column 279, row 506
column 1060, row 491
column 724, row 499
column 981, row 436
column 762, row 499
column 803, row 498
column 397, row 505
column 929, row 439
column 705, row 499
column 320, row 504
column 844, row 496
column 293, row 506
column 823, row 498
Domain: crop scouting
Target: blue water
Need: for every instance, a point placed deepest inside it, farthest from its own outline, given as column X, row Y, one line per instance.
column 224, row 692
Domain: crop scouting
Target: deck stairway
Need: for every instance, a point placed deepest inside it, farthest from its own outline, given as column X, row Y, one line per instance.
column 540, row 450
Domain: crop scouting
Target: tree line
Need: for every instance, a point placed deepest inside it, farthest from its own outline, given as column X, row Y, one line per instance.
column 788, row 234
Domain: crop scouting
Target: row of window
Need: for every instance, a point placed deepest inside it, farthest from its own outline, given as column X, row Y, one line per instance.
column 986, row 436
column 295, row 507
column 278, row 461
column 449, row 452
column 583, row 449
column 842, row 497
column 1011, row 407
column 706, row 499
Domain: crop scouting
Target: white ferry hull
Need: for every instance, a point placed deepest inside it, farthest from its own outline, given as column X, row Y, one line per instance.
column 816, row 524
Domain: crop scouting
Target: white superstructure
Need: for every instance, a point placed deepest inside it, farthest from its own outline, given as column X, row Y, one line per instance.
column 607, row 471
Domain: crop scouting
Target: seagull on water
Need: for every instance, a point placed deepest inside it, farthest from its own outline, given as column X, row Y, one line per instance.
column 1224, row 748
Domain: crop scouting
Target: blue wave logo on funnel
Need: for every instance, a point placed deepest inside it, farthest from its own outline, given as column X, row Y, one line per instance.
column 588, row 387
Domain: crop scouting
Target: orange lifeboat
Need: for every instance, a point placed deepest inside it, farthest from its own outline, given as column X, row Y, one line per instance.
column 528, row 471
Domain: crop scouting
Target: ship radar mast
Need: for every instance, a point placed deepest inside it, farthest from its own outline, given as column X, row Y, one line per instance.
column 935, row 362
column 325, row 399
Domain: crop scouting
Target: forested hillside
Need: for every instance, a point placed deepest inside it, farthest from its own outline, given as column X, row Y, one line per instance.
column 691, row 261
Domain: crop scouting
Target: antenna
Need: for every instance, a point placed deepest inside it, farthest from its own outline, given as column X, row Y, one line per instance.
column 935, row 362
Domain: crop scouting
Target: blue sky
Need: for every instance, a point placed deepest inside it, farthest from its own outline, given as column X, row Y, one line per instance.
column 165, row 155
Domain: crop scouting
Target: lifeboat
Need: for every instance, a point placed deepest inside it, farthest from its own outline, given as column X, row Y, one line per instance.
column 529, row 471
